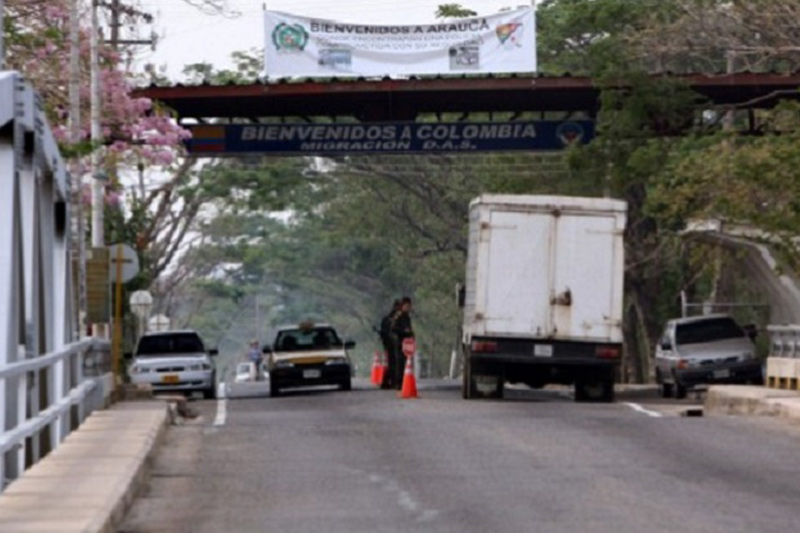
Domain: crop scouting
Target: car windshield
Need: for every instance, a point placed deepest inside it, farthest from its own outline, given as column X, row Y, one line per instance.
column 297, row 340
column 175, row 343
column 711, row 330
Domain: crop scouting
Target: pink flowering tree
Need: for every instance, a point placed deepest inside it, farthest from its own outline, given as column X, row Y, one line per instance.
column 38, row 46
column 137, row 135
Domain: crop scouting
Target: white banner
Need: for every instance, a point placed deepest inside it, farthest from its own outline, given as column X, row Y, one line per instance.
column 299, row 47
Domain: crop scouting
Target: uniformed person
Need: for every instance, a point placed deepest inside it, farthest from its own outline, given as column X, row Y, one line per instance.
column 389, row 347
column 401, row 329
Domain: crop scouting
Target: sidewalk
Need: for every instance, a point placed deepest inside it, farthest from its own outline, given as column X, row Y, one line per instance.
column 752, row 400
column 87, row 483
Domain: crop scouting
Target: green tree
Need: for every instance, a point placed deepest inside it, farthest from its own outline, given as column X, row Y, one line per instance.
column 454, row 11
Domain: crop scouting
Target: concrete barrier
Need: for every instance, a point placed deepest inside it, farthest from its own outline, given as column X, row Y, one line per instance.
column 752, row 400
column 783, row 363
column 88, row 483
column 783, row 373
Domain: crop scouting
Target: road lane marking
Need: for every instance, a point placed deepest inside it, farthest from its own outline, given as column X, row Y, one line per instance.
column 404, row 499
column 222, row 406
column 639, row 409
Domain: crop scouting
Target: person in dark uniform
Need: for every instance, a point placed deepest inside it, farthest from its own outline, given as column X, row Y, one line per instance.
column 401, row 329
column 389, row 347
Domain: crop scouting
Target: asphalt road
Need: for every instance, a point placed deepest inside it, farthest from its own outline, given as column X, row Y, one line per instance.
column 364, row 461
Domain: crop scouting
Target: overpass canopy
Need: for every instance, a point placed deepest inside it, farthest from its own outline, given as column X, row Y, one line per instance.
column 404, row 100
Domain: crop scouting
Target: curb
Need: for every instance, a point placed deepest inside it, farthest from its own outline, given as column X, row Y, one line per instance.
column 133, row 481
column 744, row 400
column 88, row 483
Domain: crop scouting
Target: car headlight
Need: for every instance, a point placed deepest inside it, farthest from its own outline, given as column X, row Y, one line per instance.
column 135, row 369
column 284, row 364
column 199, row 366
column 336, row 362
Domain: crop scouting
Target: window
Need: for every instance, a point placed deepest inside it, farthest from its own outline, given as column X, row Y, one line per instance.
column 298, row 340
column 174, row 343
column 715, row 329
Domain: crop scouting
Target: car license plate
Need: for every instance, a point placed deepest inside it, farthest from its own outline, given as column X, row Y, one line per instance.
column 543, row 350
column 312, row 374
column 172, row 378
column 722, row 374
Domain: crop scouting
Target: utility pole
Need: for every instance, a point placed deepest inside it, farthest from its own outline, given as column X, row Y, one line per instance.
column 98, row 189
column 98, row 185
column 2, row 36
column 76, row 170
column 117, row 10
column 116, row 23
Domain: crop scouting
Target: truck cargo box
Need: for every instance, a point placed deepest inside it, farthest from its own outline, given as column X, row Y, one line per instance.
column 545, row 268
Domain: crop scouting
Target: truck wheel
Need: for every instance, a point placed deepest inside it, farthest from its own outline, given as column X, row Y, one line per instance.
column 498, row 393
column 346, row 384
column 467, row 384
column 680, row 391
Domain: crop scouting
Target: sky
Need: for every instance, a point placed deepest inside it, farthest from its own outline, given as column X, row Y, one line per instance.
column 187, row 35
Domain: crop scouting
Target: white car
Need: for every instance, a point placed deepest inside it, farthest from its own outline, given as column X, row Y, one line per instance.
column 174, row 361
column 704, row 350
column 244, row 372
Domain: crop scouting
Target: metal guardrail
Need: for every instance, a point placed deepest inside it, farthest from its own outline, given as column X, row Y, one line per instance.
column 784, row 341
column 69, row 375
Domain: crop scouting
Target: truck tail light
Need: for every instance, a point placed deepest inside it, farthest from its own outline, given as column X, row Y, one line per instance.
column 484, row 346
column 608, row 352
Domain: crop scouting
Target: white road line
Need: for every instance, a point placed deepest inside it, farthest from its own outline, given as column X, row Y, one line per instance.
column 639, row 409
column 222, row 406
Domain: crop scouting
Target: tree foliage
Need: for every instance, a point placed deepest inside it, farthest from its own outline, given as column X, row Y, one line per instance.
column 338, row 239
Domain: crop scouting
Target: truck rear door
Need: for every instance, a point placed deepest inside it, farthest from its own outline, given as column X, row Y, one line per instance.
column 518, row 274
column 584, row 280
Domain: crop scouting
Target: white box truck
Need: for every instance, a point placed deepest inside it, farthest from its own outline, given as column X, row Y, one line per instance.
column 543, row 294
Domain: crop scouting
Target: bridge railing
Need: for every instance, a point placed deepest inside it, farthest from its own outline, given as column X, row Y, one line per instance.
column 784, row 341
column 64, row 385
column 783, row 363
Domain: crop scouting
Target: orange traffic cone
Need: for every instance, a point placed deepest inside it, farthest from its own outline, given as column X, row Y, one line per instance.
column 381, row 368
column 409, row 381
column 376, row 377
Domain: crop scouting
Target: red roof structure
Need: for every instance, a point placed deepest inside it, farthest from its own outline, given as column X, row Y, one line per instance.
column 404, row 100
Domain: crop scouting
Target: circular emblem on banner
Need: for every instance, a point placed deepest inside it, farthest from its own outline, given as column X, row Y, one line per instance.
column 409, row 346
column 570, row 133
column 289, row 38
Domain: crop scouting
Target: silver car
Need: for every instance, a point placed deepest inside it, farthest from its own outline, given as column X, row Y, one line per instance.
column 704, row 350
column 174, row 361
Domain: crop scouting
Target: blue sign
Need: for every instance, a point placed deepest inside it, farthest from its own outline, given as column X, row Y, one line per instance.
column 396, row 138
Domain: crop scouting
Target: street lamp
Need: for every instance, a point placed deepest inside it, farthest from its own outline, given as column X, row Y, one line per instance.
column 141, row 303
column 159, row 323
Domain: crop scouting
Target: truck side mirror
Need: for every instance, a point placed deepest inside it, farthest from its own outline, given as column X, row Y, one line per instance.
column 128, row 356
column 751, row 330
column 349, row 345
column 213, row 352
column 461, row 295
column 266, row 349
